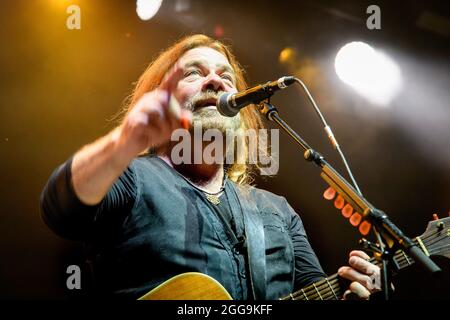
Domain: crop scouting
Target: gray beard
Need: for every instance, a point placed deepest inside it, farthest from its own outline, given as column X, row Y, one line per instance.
column 212, row 119
column 206, row 118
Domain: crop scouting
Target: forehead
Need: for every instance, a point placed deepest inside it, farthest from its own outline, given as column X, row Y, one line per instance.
column 205, row 55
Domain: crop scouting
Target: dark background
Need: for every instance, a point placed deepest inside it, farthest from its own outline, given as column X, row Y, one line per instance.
column 60, row 88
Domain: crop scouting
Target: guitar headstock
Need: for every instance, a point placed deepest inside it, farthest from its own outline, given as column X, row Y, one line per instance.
column 436, row 237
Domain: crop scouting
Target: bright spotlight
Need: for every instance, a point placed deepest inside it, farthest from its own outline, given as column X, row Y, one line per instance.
column 146, row 9
column 371, row 73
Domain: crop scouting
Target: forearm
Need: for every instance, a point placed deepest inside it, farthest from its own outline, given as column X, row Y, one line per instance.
column 149, row 123
column 96, row 166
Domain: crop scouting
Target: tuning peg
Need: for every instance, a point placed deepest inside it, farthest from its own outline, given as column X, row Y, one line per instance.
column 329, row 194
column 435, row 216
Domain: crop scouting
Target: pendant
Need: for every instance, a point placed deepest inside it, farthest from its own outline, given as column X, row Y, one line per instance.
column 212, row 198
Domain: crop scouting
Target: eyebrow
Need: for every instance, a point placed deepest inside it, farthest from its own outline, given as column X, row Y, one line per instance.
column 202, row 63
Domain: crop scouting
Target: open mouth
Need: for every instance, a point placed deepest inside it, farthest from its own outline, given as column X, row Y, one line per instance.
column 208, row 103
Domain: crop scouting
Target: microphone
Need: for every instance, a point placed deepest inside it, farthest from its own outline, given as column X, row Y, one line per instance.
column 229, row 104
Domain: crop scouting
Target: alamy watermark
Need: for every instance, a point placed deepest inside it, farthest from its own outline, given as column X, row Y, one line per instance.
column 211, row 146
column 374, row 20
column 74, row 279
column 73, row 21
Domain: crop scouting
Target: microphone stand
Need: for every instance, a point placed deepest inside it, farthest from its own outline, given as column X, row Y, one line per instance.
column 385, row 229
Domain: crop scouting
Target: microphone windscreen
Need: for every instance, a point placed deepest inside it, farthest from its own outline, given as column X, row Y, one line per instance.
column 224, row 106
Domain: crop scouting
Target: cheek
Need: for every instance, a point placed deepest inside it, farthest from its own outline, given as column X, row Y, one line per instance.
column 230, row 89
column 233, row 90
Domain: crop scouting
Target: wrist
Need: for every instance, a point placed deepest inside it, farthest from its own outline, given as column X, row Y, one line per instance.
column 121, row 155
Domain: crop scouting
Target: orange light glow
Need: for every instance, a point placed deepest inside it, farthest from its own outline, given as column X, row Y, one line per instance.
column 347, row 211
column 339, row 202
column 364, row 228
column 329, row 194
column 355, row 219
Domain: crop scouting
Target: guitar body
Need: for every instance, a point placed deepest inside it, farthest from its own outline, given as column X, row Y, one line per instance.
column 188, row 286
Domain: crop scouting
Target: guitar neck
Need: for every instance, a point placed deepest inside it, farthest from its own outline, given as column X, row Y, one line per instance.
column 330, row 288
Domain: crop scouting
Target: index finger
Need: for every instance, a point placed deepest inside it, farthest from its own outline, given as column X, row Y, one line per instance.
column 171, row 78
column 363, row 266
column 359, row 253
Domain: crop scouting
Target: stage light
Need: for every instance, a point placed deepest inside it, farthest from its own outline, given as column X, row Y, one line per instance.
column 146, row 9
column 370, row 72
column 287, row 55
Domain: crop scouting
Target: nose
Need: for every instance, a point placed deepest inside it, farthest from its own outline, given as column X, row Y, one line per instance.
column 213, row 82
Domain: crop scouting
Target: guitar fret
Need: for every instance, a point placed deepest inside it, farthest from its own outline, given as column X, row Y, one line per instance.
column 303, row 291
column 292, row 297
column 406, row 257
column 331, row 289
column 320, row 296
column 395, row 261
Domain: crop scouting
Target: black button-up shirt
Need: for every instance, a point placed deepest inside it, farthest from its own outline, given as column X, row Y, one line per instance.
column 153, row 225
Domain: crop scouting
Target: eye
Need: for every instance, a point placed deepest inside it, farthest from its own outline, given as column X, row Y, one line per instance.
column 226, row 76
column 191, row 73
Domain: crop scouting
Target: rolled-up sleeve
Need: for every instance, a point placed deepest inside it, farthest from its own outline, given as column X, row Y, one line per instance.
column 67, row 216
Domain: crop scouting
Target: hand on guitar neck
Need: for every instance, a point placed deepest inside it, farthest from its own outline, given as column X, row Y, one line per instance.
column 364, row 276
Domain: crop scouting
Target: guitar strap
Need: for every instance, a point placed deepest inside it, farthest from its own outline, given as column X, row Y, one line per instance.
column 255, row 243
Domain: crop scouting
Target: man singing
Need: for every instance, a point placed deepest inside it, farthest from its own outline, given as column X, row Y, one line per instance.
column 145, row 217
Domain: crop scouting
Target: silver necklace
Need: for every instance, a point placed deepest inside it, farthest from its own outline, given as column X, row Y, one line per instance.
column 212, row 197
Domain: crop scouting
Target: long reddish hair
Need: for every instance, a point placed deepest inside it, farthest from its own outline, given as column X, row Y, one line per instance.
column 153, row 75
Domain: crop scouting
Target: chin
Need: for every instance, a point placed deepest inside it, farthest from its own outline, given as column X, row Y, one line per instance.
column 212, row 119
column 205, row 113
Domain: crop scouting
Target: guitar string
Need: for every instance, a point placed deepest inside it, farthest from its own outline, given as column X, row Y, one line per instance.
column 432, row 234
column 427, row 243
column 330, row 292
column 327, row 296
column 437, row 239
column 324, row 295
column 311, row 293
column 326, row 288
column 428, row 240
column 437, row 249
column 307, row 290
column 311, row 296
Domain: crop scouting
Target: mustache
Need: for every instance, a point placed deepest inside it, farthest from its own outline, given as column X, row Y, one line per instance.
column 194, row 102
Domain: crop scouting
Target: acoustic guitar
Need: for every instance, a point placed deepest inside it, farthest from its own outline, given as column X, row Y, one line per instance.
column 435, row 241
